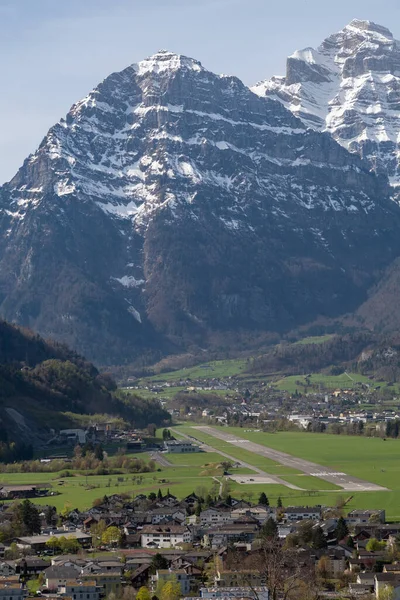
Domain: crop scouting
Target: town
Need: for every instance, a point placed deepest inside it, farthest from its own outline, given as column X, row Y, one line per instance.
column 158, row 545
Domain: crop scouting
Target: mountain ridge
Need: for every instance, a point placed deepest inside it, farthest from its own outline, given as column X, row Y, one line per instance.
column 172, row 205
column 348, row 86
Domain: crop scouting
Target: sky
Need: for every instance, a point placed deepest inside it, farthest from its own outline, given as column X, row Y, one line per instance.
column 53, row 52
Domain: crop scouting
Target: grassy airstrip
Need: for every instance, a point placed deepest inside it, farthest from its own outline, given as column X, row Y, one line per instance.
column 372, row 459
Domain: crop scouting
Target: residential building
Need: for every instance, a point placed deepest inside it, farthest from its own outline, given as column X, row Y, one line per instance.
column 225, row 535
column 164, row 575
column 359, row 517
column 30, row 566
column 257, row 593
column 110, row 583
column 302, row 513
column 167, row 513
column 261, row 513
column 58, row 576
column 79, row 590
column 165, row 536
column 386, row 581
column 215, row 516
column 12, row 591
column 239, row 578
column 7, row 569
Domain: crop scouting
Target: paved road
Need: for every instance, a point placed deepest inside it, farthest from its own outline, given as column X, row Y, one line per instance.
column 272, row 478
column 160, row 458
column 347, row 482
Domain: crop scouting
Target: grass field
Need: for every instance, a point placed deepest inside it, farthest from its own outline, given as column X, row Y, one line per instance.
column 190, row 472
column 315, row 339
column 261, row 462
column 329, row 382
column 269, row 466
column 371, row 459
column 202, row 459
column 80, row 491
column 196, row 459
column 216, row 368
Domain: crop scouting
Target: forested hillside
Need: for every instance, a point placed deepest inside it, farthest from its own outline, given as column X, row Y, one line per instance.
column 41, row 380
column 362, row 352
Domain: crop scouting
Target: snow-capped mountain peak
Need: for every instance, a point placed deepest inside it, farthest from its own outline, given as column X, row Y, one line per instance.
column 171, row 203
column 165, row 61
column 350, row 87
column 369, row 28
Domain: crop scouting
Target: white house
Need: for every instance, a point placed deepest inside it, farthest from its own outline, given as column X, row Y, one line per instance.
column 165, row 536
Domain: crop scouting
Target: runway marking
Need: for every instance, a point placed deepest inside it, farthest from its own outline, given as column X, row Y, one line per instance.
column 346, row 482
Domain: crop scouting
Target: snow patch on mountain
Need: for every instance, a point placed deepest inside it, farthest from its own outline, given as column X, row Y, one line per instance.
column 129, row 281
column 165, row 61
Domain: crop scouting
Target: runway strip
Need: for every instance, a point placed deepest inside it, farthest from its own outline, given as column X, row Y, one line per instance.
column 347, row 482
column 267, row 476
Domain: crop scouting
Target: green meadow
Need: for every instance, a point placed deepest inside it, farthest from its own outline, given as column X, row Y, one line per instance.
column 214, row 368
column 329, row 382
column 372, row 459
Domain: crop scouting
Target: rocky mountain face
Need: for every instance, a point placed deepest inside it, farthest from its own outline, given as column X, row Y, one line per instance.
column 349, row 87
column 172, row 206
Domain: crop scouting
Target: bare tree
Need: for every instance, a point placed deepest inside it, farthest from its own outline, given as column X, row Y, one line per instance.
column 287, row 574
column 283, row 570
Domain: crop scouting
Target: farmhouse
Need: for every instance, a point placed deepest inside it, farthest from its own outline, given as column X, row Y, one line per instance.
column 180, row 447
column 13, row 492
